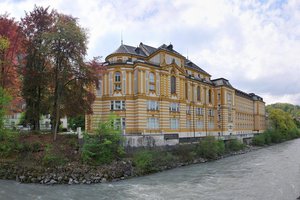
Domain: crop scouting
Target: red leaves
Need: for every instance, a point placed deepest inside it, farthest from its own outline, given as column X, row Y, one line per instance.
column 9, row 62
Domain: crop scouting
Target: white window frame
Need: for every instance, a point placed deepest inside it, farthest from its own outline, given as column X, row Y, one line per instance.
column 152, row 105
column 174, row 107
column 117, row 105
column 153, row 123
column 174, row 123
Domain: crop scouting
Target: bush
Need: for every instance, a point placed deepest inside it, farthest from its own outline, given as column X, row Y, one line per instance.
column 51, row 159
column 276, row 136
column 148, row 161
column 144, row 162
column 294, row 133
column 258, row 140
column 105, row 146
column 234, row 145
column 185, row 153
column 9, row 143
column 210, row 148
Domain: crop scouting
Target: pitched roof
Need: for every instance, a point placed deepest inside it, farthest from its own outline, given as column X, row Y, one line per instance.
column 146, row 50
column 130, row 50
column 191, row 65
column 221, row 82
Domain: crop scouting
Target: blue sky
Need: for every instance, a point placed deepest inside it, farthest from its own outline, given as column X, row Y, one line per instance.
column 253, row 43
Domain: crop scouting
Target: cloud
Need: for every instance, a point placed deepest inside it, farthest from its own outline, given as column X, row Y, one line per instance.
column 253, row 43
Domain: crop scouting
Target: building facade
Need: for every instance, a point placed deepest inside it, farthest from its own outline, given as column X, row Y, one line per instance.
column 160, row 93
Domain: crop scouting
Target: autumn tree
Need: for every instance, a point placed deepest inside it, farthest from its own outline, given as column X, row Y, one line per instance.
column 70, row 75
column 11, row 39
column 36, row 67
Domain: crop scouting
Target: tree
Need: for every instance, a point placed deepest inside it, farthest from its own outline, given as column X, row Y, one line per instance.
column 77, row 121
column 280, row 120
column 36, row 68
column 11, row 39
column 4, row 102
column 70, row 75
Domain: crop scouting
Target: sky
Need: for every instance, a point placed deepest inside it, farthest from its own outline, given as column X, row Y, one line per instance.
column 255, row 44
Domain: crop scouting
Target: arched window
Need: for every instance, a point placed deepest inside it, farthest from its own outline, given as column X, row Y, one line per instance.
column 173, row 84
column 118, row 81
column 198, row 93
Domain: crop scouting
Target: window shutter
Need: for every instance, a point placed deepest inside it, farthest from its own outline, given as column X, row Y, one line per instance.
column 157, row 83
column 124, row 82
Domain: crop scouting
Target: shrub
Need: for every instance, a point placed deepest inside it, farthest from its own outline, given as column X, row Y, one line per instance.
column 185, row 153
column 147, row 161
column 276, row 136
column 9, row 143
column 234, row 145
column 105, row 146
column 51, row 159
column 258, row 140
column 210, row 148
column 294, row 133
column 144, row 162
column 36, row 147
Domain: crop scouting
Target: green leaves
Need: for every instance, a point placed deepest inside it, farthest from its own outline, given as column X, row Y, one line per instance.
column 105, row 146
column 4, row 102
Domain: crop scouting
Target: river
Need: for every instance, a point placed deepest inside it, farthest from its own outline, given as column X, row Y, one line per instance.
column 269, row 173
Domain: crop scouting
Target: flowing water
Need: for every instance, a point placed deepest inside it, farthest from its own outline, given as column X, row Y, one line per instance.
column 269, row 173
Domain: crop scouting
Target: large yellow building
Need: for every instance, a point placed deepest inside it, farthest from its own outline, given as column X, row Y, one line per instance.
column 163, row 98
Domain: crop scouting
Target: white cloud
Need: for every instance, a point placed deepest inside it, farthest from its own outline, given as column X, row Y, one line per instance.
column 255, row 44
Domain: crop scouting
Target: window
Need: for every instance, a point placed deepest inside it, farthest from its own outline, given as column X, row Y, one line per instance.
column 118, row 81
column 151, row 82
column 153, row 123
column 186, row 91
column 188, row 123
column 229, row 117
column 188, row 110
column 229, row 97
column 99, row 89
column 120, row 123
column 117, row 77
column 117, row 105
column 153, row 105
column 199, row 124
column 211, row 112
column 174, row 123
column 174, row 107
column 199, row 111
column 211, row 124
column 198, row 93
column 173, row 85
column 209, row 96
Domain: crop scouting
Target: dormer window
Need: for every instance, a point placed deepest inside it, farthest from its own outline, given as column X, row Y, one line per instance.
column 118, row 81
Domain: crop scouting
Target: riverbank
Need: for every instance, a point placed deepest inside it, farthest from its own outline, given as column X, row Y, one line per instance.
column 31, row 167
